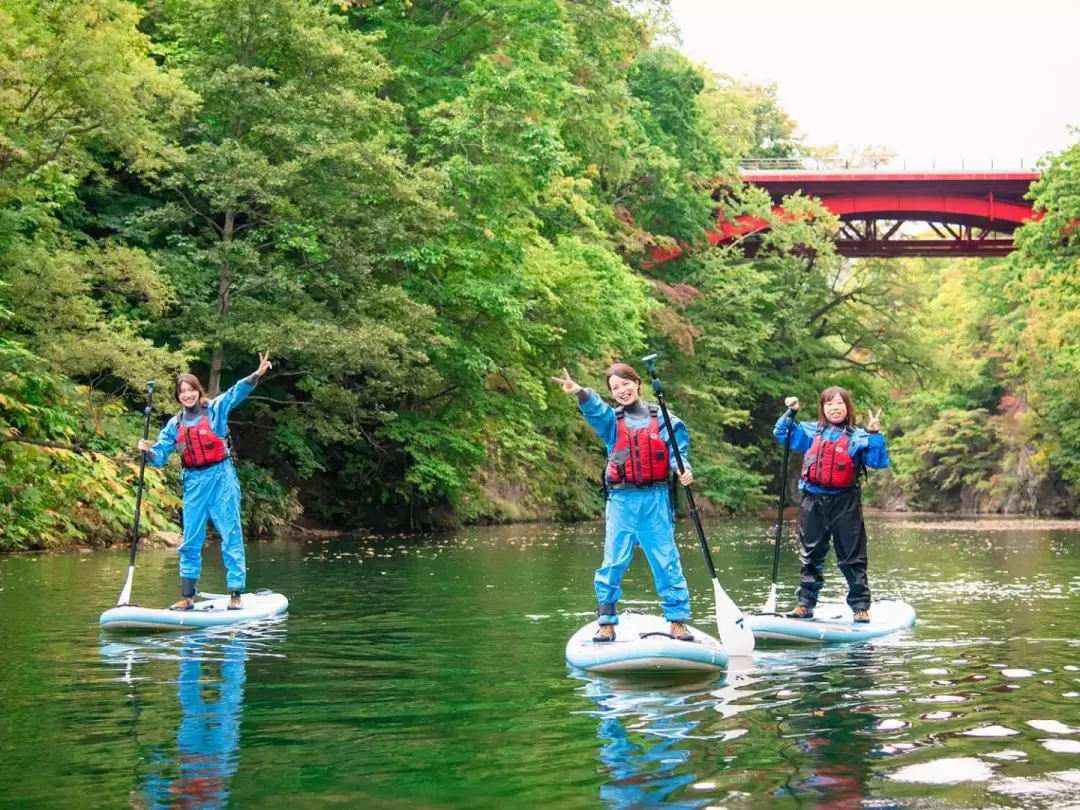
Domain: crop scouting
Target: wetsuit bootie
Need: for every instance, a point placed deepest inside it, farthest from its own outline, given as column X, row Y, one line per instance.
column 801, row 612
column 678, row 631
column 605, row 633
column 234, row 601
column 185, row 603
column 862, row 616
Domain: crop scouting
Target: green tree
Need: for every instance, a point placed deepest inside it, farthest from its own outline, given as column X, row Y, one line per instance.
column 79, row 91
column 1042, row 294
column 66, row 475
column 748, row 119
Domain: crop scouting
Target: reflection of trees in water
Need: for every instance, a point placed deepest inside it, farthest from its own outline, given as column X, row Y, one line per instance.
column 826, row 734
column 210, row 677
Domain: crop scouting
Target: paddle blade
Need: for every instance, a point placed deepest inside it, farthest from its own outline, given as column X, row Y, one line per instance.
column 731, row 626
column 125, row 594
column 770, row 603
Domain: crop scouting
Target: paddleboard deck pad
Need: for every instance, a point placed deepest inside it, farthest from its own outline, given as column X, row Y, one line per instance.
column 642, row 645
column 212, row 612
column 833, row 623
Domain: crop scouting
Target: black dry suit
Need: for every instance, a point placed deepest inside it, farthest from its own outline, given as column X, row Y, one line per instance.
column 833, row 514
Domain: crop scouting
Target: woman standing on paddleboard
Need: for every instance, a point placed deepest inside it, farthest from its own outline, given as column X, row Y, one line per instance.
column 639, row 465
column 834, row 452
column 211, row 488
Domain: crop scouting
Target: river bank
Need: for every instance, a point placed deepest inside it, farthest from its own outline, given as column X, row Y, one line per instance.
column 920, row 521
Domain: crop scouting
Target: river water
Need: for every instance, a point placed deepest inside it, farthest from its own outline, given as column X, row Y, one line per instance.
column 428, row 672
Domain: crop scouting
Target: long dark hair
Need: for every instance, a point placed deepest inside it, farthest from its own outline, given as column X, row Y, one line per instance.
column 830, row 394
column 193, row 381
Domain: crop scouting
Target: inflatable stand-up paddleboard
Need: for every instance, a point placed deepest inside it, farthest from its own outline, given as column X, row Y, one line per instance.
column 642, row 645
column 213, row 612
column 833, row 623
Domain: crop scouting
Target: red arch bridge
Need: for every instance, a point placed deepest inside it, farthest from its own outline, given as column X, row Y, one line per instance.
column 896, row 213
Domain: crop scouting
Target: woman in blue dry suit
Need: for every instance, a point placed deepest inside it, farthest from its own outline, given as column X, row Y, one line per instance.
column 639, row 465
column 211, row 488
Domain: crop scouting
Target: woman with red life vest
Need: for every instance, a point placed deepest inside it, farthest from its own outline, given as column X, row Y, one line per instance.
column 211, row 488
column 639, row 465
column 834, row 452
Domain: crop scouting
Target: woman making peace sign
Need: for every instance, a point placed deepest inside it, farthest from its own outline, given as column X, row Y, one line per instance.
column 639, row 508
column 211, row 489
column 834, row 452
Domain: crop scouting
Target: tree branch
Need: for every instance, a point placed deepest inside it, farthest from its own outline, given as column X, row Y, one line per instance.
column 191, row 207
column 442, row 393
column 849, row 295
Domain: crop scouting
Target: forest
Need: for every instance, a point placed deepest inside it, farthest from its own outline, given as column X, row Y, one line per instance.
column 422, row 209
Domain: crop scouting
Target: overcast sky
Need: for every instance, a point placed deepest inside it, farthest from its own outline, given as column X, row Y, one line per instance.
column 929, row 79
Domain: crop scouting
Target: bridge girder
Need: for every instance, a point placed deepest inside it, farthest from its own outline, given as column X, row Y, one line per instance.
column 969, row 213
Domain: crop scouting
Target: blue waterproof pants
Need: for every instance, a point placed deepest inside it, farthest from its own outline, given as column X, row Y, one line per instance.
column 213, row 493
column 641, row 517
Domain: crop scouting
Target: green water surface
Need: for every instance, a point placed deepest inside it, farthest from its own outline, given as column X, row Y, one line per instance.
column 428, row 672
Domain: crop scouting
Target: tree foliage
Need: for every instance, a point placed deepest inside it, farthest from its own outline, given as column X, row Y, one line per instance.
column 423, row 210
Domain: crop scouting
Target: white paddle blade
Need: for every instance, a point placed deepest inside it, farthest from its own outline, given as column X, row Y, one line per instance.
column 125, row 594
column 770, row 603
column 730, row 624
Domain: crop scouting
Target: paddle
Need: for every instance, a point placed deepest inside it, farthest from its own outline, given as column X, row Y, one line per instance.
column 125, row 594
column 730, row 624
column 770, row 603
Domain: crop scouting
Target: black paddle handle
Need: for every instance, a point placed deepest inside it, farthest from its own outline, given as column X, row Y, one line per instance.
column 783, row 492
column 658, row 388
column 142, row 471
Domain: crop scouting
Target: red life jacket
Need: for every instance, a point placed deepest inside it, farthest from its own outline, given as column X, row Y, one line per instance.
column 640, row 456
column 828, row 462
column 198, row 444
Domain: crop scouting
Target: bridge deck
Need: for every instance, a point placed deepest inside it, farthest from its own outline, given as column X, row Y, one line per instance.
column 1005, row 185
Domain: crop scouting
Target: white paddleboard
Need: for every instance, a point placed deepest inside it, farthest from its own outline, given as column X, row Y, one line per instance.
column 214, row 612
column 642, row 644
column 834, row 623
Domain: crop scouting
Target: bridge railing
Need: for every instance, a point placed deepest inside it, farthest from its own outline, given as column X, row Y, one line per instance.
column 863, row 164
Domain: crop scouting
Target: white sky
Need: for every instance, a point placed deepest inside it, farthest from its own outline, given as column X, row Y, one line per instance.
column 930, row 79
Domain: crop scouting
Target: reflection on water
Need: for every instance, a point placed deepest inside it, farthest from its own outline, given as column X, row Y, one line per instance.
column 829, row 740
column 428, row 673
column 648, row 768
column 840, row 728
column 194, row 769
column 650, row 728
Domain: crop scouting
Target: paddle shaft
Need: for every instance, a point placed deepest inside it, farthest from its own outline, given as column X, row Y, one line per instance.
column 142, row 471
column 694, row 516
column 783, row 491
column 734, row 634
column 125, row 592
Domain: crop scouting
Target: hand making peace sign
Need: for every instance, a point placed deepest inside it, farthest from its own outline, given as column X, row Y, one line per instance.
column 567, row 382
column 874, row 423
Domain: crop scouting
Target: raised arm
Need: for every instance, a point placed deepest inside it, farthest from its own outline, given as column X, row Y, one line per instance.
column 223, row 404
column 600, row 416
column 800, row 438
column 876, row 454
